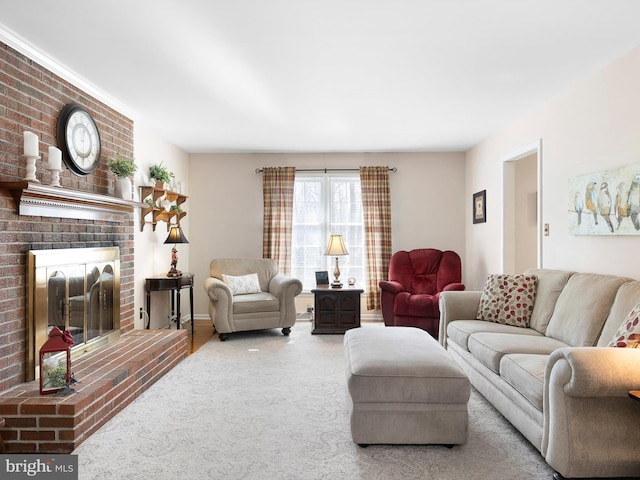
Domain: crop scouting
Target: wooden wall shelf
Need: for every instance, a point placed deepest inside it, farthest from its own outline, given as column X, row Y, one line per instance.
column 36, row 199
column 160, row 214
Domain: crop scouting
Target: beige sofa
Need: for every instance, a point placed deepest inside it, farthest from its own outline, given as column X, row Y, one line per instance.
column 557, row 381
column 272, row 305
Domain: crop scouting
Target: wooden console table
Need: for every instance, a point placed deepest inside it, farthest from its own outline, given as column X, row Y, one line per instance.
column 336, row 309
column 175, row 285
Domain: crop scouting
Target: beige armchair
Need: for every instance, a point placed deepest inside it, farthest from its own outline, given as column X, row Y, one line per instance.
column 243, row 302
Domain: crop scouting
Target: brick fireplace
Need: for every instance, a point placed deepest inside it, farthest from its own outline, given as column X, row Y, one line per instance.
column 31, row 98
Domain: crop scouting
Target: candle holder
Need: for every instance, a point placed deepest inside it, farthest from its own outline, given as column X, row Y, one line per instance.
column 31, row 168
column 55, row 177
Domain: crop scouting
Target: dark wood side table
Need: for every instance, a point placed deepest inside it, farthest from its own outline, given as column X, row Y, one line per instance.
column 336, row 309
column 175, row 285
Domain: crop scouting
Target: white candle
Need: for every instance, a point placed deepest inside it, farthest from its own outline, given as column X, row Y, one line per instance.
column 55, row 158
column 30, row 144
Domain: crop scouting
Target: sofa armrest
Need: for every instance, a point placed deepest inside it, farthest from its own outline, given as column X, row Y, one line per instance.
column 220, row 304
column 587, row 412
column 390, row 286
column 283, row 286
column 286, row 288
column 594, row 371
column 456, row 305
column 217, row 290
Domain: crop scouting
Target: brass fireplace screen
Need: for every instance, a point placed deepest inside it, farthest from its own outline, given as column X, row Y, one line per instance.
column 76, row 289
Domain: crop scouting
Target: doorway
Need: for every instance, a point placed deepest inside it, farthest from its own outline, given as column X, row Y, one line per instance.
column 521, row 209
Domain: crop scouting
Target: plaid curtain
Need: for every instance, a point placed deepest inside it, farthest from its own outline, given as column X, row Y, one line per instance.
column 277, row 192
column 376, row 208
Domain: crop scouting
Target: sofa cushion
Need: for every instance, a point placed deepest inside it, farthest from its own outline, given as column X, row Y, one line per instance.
column 627, row 297
column 582, row 308
column 459, row 331
column 508, row 299
column 255, row 302
column 550, row 284
column 525, row 373
column 628, row 335
column 242, row 284
column 489, row 348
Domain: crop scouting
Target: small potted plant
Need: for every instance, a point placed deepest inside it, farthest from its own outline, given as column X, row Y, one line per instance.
column 160, row 174
column 123, row 167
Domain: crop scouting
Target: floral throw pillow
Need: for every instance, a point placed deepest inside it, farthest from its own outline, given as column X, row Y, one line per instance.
column 243, row 284
column 508, row 299
column 628, row 335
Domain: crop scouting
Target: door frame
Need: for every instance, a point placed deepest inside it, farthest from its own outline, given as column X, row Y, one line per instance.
column 508, row 167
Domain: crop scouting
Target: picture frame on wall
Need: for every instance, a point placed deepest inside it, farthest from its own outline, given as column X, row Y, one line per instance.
column 480, row 207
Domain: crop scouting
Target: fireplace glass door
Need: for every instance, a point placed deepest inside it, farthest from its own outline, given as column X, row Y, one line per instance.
column 74, row 289
column 80, row 299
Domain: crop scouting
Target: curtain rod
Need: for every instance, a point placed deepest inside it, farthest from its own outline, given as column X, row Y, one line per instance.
column 325, row 170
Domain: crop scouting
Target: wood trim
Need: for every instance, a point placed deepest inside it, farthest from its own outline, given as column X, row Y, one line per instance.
column 46, row 201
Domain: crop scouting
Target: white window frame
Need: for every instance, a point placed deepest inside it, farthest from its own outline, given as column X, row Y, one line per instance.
column 304, row 265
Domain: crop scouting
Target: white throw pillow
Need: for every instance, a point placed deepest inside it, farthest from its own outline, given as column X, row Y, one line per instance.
column 243, row 284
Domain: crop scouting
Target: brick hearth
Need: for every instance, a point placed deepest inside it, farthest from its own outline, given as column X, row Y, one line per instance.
column 109, row 380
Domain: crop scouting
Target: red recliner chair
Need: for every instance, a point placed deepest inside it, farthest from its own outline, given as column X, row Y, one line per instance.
column 416, row 278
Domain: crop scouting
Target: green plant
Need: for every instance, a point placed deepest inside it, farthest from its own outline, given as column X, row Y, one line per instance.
column 160, row 173
column 151, row 203
column 123, row 167
column 55, row 375
column 176, row 208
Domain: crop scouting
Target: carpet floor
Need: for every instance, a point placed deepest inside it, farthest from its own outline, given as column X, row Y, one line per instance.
column 267, row 407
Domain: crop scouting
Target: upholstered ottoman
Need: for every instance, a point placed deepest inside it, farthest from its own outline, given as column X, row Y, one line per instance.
column 404, row 387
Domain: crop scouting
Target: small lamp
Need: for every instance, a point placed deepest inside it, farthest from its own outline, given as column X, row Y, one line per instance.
column 55, row 362
column 336, row 248
column 175, row 236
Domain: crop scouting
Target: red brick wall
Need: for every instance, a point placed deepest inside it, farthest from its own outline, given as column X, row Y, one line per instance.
column 31, row 97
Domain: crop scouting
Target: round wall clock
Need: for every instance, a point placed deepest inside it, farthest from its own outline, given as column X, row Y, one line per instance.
column 79, row 139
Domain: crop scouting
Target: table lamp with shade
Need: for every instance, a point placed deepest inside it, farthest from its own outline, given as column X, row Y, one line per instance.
column 175, row 236
column 336, row 248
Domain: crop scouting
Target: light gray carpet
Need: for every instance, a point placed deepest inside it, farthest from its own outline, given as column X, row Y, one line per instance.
column 267, row 407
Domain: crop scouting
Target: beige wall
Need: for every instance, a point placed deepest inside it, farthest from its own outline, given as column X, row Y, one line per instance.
column 152, row 256
column 593, row 125
column 428, row 204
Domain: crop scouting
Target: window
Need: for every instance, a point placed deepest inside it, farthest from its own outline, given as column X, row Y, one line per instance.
column 325, row 205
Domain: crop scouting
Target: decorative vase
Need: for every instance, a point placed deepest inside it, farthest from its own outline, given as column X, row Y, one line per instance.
column 123, row 188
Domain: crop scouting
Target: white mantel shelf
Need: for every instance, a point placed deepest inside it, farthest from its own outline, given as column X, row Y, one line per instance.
column 36, row 199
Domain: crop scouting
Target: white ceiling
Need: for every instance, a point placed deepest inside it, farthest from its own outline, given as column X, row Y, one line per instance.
column 324, row 75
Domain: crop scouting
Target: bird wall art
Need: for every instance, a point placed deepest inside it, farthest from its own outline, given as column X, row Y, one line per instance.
column 606, row 203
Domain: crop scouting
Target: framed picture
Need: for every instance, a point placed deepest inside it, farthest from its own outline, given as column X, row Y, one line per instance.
column 480, row 207
column 322, row 278
column 605, row 202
